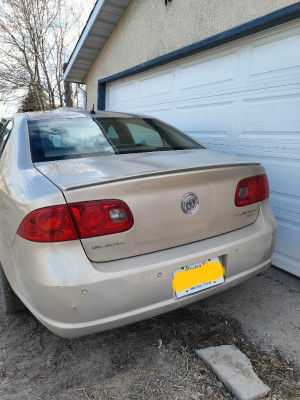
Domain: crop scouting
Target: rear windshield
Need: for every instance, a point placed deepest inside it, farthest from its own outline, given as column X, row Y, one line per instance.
column 84, row 137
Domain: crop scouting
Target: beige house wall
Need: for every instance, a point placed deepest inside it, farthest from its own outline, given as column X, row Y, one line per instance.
column 149, row 29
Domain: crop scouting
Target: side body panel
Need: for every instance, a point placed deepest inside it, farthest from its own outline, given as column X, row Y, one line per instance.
column 22, row 189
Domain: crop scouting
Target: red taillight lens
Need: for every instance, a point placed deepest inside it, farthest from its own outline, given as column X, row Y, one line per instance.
column 252, row 190
column 99, row 218
column 49, row 224
column 95, row 218
column 265, row 190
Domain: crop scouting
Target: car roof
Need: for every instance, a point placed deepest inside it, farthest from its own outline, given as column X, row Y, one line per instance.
column 66, row 112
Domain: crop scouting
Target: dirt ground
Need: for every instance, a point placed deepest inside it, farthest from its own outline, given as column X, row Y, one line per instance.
column 268, row 307
column 155, row 359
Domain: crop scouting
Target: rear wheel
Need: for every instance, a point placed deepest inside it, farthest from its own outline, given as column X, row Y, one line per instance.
column 10, row 302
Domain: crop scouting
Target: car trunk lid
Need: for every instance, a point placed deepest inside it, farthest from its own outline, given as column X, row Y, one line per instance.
column 154, row 186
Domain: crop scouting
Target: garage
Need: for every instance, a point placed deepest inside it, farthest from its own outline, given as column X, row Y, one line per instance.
column 242, row 98
column 227, row 73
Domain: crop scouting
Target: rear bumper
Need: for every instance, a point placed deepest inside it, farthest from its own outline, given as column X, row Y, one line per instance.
column 74, row 297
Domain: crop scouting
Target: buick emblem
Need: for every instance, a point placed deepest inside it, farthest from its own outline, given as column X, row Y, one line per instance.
column 190, row 203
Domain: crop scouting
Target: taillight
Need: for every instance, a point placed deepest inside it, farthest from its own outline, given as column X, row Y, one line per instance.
column 265, row 190
column 99, row 218
column 252, row 190
column 49, row 224
column 91, row 219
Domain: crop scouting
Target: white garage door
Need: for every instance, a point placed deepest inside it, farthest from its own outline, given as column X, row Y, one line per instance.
column 242, row 99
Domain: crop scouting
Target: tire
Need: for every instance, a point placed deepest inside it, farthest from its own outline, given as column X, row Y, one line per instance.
column 10, row 302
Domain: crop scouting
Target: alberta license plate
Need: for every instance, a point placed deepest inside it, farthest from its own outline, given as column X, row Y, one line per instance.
column 197, row 277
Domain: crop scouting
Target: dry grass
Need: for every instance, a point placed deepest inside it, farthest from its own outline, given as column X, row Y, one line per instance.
column 155, row 360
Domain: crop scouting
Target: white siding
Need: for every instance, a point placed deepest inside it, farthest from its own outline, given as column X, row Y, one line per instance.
column 242, row 99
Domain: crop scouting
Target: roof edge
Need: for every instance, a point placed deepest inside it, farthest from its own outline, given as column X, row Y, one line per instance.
column 94, row 14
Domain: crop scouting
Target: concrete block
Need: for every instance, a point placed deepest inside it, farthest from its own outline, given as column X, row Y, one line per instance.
column 234, row 369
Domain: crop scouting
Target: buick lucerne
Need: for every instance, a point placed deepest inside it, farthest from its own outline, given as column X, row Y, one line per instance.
column 110, row 218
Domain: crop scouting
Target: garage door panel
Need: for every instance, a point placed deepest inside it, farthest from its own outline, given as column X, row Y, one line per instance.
column 284, row 178
column 286, row 212
column 242, row 99
column 157, row 85
column 123, row 93
column 275, row 56
column 222, row 69
column 284, row 261
column 288, row 239
column 217, row 117
column 275, row 113
column 268, row 148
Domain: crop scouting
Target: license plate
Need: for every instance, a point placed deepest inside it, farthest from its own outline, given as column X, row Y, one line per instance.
column 197, row 277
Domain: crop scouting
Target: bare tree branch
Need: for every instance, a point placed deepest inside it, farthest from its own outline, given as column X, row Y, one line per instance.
column 35, row 40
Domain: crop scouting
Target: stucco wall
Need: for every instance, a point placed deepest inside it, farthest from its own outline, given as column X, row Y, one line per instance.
column 149, row 29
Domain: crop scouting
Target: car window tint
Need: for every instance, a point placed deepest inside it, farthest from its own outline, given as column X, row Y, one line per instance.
column 111, row 133
column 143, row 135
column 112, row 136
column 4, row 135
column 57, row 139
